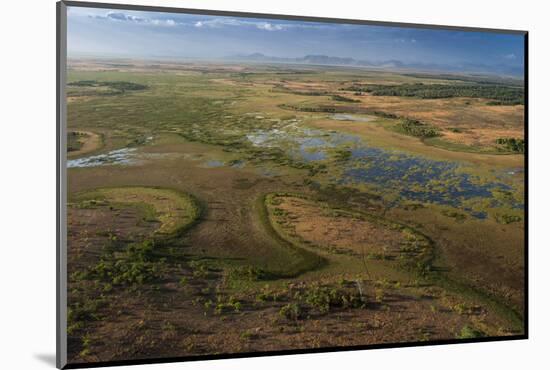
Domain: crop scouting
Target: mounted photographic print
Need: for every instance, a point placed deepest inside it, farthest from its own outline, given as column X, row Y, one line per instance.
column 235, row 184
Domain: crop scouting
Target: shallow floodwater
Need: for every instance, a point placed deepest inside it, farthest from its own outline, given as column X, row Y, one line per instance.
column 124, row 156
column 238, row 164
column 305, row 144
column 411, row 177
column 351, row 117
column 214, row 164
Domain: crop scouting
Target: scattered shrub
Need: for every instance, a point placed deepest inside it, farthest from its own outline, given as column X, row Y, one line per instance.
column 468, row 332
column 507, row 219
column 291, row 311
column 416, row 128
column 135, row 265
column 247, row 273
column 512, row 144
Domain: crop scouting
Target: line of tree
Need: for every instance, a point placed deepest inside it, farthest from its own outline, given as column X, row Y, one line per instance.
column 501, row 94
column 339, row 109
column 477, row 79
column 345, row 99
column 283, row 89
column 323, row 109
column 115, row 87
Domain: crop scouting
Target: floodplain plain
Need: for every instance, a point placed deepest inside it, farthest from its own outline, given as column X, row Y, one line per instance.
column 228, row 208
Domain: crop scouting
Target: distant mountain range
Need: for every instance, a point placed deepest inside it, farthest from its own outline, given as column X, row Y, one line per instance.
column 500, row 69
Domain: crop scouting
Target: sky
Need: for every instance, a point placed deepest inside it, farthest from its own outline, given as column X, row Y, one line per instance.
column 139, row 34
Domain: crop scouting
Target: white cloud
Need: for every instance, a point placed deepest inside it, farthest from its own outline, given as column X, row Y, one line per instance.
column 164, row 22
column 218, row 23
column 210, row 22
column 123, row 17
column 404, row 41
column 232, row 22
column 510, row 56
column 117, row 16
column 269, row 26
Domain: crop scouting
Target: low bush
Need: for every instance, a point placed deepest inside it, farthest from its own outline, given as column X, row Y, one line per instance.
column 136, row 264
column 419, row 129
column 512, row 144
column 292, row 311
column 467, row 332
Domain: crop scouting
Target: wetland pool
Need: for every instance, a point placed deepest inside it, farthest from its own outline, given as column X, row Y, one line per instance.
column 124, row 156
column 351, row 117
column 413, row 178
column 410, row 177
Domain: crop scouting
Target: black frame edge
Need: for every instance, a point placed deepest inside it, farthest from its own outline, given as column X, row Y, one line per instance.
column 150, row 361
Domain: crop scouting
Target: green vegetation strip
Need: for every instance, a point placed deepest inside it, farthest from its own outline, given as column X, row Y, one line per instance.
column 491, row 301
column 305, row 260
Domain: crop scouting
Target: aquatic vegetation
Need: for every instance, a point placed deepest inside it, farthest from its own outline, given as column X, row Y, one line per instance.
column 214, row 164
column 420, row 179
column 412, row 177
column 348, row 158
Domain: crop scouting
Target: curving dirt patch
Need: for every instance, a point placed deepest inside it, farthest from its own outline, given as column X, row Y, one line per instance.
column 83, row 142
column 172, row 210
column 339, row 231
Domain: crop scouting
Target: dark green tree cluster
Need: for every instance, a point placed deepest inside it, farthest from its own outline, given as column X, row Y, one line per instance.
column 73, row 141
column 512, row 144
column 501, row 94
column 419, row 129
column 113, row 87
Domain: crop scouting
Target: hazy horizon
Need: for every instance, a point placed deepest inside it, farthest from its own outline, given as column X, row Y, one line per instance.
column 150, row 35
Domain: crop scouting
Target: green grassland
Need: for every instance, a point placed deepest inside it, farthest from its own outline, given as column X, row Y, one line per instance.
column 184, row 241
